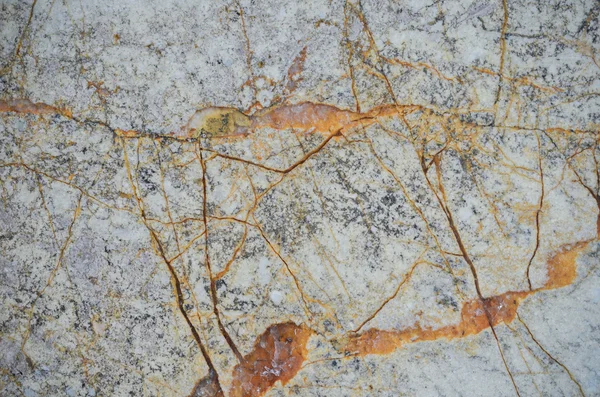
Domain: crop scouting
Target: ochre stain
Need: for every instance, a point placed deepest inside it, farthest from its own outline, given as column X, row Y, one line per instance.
column 306, row 116
column 277, row 356
column 502, row 308
column 98, row 86
column 217, row 122
column 295, row 71
column 27, row 107
column 562, row 271
column 562, row 267
column 127, row 133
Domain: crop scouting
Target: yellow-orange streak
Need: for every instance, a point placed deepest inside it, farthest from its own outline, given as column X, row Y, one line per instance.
column 562, row 271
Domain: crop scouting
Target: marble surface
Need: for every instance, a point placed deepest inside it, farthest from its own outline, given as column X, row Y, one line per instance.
column 299, row 198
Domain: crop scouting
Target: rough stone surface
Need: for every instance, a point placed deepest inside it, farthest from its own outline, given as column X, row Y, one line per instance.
column 312, row 198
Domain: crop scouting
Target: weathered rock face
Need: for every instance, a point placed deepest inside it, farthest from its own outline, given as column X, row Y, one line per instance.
column 315, row 199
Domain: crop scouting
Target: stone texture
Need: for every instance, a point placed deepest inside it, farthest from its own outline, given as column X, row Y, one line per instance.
column 318, row 198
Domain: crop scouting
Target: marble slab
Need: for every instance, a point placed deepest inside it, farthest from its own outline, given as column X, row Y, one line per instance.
column 299, row 198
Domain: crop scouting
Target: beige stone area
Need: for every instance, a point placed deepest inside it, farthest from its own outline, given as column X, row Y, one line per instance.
column 321, row 198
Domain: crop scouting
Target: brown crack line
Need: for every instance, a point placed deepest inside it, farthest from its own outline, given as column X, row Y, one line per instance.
column 213, row 280
column 350, row 49
column 180, row 252
column 550, row 355
column 481, row 301
column 212, row 375
column 26, row 29
column 413, row 204
column 502, row 56
column 591, row 191
column 537, row 214
column 251, row 81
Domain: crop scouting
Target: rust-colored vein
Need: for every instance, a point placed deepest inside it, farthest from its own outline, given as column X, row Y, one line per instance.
column 476, row 315
column 306, row 116
column 294, row 73
column 277, row 356
column 25, row 106
column 473, row 320
column 224, row 122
